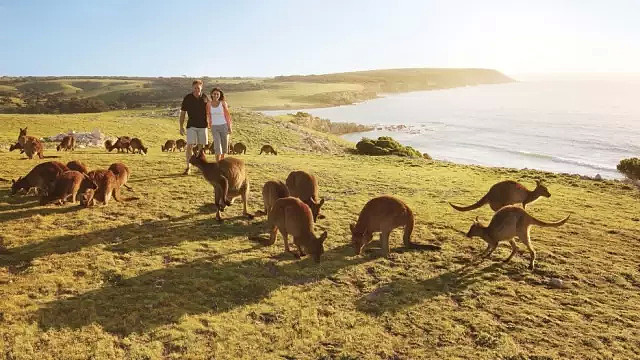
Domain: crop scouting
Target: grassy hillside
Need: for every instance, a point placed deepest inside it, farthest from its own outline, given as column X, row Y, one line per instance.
column 159, row 278
column 282, row 92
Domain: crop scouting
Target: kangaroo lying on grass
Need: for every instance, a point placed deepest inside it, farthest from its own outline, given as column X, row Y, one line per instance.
column 42, row 177
column 293, row 217
column 305, row 187
column 68, row 143
column 169, row 145
column 271, row 192
column 68, row 185
column 383, row 214
column 268, row 149
column 229, row 180
column 238, row 148
column 508, row 193
column 30, row 144
column 77, row 166
column 137, row 145
column 181, row 144
column 508, row 222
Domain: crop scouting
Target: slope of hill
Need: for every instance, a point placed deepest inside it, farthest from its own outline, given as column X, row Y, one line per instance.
column 43, row 94
column 159, row 278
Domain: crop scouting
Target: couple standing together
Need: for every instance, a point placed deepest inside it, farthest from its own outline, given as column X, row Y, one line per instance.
column 204, row 113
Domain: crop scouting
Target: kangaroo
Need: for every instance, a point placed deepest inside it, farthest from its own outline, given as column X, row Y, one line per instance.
column 169, row 145
column 268, row 149
column 42, row 177
column 16, row 146
column 181, row 144
column 382, row 214
column 123, row 143
column 106, row 184
column 229, row 180
column 78, row 166
column 68, row 143
column 508, row 222
column 508, row 193
column 122, row 173
column 68, row 185
column 271, row 192
column 292, row 216
column 137, row 145
column 30, row 144
column 238, row 148
column 305, row 187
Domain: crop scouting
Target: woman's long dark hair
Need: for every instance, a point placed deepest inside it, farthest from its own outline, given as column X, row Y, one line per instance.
column 218, row 90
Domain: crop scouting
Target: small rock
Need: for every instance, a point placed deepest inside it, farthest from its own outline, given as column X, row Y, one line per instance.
column 556, row 283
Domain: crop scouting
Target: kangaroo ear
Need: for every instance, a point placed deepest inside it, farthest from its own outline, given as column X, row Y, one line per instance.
column 538, row 182
column 352, row 227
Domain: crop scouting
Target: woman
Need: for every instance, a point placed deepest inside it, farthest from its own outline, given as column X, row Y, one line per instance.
column 220, row 122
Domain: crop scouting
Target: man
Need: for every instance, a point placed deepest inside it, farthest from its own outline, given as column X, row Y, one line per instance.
column 195, row 104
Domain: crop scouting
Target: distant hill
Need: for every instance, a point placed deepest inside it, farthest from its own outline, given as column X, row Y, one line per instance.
column 95, row 94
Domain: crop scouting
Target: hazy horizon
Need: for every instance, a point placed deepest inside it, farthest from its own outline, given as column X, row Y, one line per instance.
column 253, row 39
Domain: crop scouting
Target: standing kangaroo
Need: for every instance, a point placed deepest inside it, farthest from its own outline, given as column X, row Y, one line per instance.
column 68, row 143
column 508, row 193
column 42, row 177
column 508, row 222
column 268, row 149
column 180, row 144
column 271, row 192
column 122, row 173
column 136, row 145
column 293, row 217
column 68, row 185
column 305, row 187
column 382, row 214
column 30, row 144
column 106, row 184
column 229, row 179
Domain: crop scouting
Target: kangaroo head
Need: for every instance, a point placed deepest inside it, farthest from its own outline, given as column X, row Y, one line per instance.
column 541, row 189
column 318, row 247
column 16, row 185
column 144, row 150
column 23, row 132
column 198, row 157
column 477, row 229
column 315, row 208
column 89, row 182
column 359, row 239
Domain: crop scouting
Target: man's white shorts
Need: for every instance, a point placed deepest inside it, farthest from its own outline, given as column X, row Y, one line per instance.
column 197, row 136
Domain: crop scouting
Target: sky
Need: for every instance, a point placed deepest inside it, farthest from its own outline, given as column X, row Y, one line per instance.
column 284, row 37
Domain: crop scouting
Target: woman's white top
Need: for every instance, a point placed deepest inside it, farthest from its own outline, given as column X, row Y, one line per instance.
column 217, row 115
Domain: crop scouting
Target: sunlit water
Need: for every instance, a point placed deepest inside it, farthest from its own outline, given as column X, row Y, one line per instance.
column 569, row 126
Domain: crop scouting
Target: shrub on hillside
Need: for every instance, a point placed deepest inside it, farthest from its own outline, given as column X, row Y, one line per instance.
column 630, row 168
column 385, row 145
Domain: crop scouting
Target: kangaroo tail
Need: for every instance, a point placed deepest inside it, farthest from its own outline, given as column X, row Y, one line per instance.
column 408, row 227
column 478, row 204
column 131, row 198
column 549, row 224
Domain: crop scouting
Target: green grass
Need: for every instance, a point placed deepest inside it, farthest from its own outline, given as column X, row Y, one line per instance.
column 159, row 278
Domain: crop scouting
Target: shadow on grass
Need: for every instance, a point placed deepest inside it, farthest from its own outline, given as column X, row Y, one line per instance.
column 163, row 296
column 400, row 294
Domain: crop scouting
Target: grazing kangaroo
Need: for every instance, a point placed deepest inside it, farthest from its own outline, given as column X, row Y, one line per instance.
column 508, row 193
column 123, row 143
column 181, row 144
column 77, row 166
column 137, row 145
column 305, row 187
column 271, row 192
column 106, row 184
column 169, row 145
column 238, row 148
column 229, row 179
column 68, row 143
column 382, row 214
column 293, row 217
column 508, row 222
column 16, row 146
column 267, row 149
column 42, row 177
column 68, row 185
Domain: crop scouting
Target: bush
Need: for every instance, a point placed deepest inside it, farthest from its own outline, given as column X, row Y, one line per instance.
column 385, row 145
column 630, row 168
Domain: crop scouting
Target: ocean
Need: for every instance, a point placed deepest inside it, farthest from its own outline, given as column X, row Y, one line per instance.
column 568, row 125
